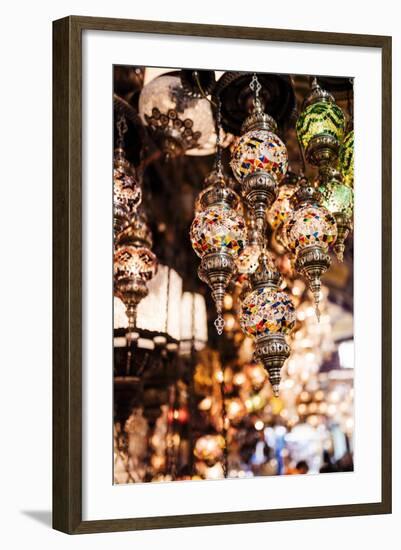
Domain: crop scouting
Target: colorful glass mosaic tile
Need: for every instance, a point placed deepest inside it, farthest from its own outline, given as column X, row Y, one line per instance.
column 346, row 159
column 259, row 150
column 267, row 310
column 218, row 228
column 321, row 118
column 311, row 225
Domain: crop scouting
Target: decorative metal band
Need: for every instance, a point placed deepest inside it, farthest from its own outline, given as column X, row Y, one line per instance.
column 272, row 350
column 260, row 188
column 272, row 347
column 217, row 261
column 306, row 193
column 217, row 269
column 258, row 120
column 265, row 275
column 130, row 290
column 312, row 258
column 318, row 95
column 219, row 193
column 120, row 218
column 328, row 174
column 322, row 149
column 137, row 234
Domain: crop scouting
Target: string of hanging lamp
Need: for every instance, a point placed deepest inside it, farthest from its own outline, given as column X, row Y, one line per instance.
column 229, row 232
column 218, row 234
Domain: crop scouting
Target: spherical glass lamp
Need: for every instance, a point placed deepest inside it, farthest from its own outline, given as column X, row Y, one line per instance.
column 320, row 127
column 338, row 198
column 346, row 159
column 181, row 122
column 268, row 315
column 218, row 236
column 267, row 310
column 259, row 150
column 311, row 225
column 218, row 228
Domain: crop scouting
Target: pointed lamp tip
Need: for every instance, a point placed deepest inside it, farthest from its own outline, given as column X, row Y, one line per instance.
column 276, row 389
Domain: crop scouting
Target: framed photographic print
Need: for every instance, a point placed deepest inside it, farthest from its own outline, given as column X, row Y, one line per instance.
column 222, row 275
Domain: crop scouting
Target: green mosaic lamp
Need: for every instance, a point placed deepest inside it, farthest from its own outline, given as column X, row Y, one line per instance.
column 346, row 159
column 338, row 198
column 320, row 127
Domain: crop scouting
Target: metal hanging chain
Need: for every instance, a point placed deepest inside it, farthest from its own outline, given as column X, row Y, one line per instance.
column 256, row 86
column 202, row 91
column 122, row 130
column 219, row 166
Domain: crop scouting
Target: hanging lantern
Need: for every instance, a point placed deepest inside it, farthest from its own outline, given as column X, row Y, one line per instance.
column 259, row 160
column 320, row 127
column 346, row 159
column 134, row 265
column 127, row 194
column 268, row 315
column 338, row 198
column 247, row 261
column 181, row 122
column 218, row 236
column 310, row 231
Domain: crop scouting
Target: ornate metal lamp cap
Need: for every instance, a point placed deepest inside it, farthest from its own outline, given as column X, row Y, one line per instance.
column 328, row 174
column 307, row 193
column 318, row 94
column 266, row 274
column 259, row 120
column 120, row 160
column 217, row 193
column 137, row 233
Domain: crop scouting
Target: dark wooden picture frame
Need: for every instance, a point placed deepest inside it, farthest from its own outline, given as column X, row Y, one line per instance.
column 67, row 275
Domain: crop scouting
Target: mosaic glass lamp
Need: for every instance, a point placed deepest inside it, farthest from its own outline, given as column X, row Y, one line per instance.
column 259, row 160
column 134, row 265
column 346, row 159
column 268, row 315
column 127, row 194
column 338, row 198
column 320, row 127
column 180, row 122
column 218, row 236
column 310, row 232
